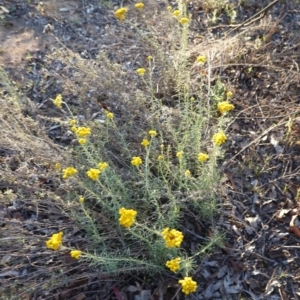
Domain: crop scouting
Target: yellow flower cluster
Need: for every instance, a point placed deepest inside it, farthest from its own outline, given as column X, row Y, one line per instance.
column 82, row 141
column 188, row 285
column 152, row 133
column 150, row 58
column 58, row 101
column 202, row 157
column 179, row 154
column 201, row 59
column 136, row 161
column 187, row 173
column 145, row 143
column 120, row 13
column 141, row 71
column 68, row 172
column 229, row 94
column 225, row 106
column 139, row 5
column 55, row 241
column 173, row 238
column 83, row 132
column 81, row 199
column 109, row 115
column 93, row 173
column 176, row 13
column 75, row 254
column 127, row 217
column 102, row 166
column 183, row 21
column 219, row 138
column 57, row 166
column 173, row 264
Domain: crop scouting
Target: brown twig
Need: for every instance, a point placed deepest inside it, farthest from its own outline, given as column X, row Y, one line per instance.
column 254, row 18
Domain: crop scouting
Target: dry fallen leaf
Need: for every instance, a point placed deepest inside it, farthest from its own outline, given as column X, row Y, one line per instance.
column 295, row 230
column 81, row 296
column 237, row 266
column 282, row 213
column 118, row 293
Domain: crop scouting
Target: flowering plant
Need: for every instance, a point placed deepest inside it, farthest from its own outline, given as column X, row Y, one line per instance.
column 127, row 217
column 139, row 5
column 174, row 264
column 55, row 241
column 188, row 285
column 121, row 13
column 68, row 172
column 225, row 106
column 142, row 169
column 219, row 138
column 173, row 238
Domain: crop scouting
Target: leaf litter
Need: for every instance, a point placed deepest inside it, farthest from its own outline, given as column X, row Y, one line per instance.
column 260, row 193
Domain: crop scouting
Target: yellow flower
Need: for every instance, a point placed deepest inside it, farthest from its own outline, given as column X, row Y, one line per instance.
column 55, row 241
column 219, row 138
column 57, row 166
column 58, row 101
column 102, row 166
column 136, row 161
column 169, row 8
column 179, row 154
column 139, row 5
column 160, row 157
column 202, row 157
column 70, row 171
column 173, row 264
column 75, row 253
column 188, row 285
column 187, row 173
column 176, row 13
column 82, row 141
column 72, row 122
column 127, row 217
column 141, row 71
column 173, row 238
column 183, row 21
column 81, row 199
column 150, row 58
column 110, row 115
column 145, row 143
column 229, row 94
column 93, row 173
column 83, row 131
column 225, row 106
column 192, row 99
column 152, row 133
column 74, row 129
column 201, row 59
column 120, row 13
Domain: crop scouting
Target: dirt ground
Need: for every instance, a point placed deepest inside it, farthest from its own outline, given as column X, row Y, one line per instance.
column 260, row 191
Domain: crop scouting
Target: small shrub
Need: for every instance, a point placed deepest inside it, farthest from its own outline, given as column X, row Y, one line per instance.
column 133, row 177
